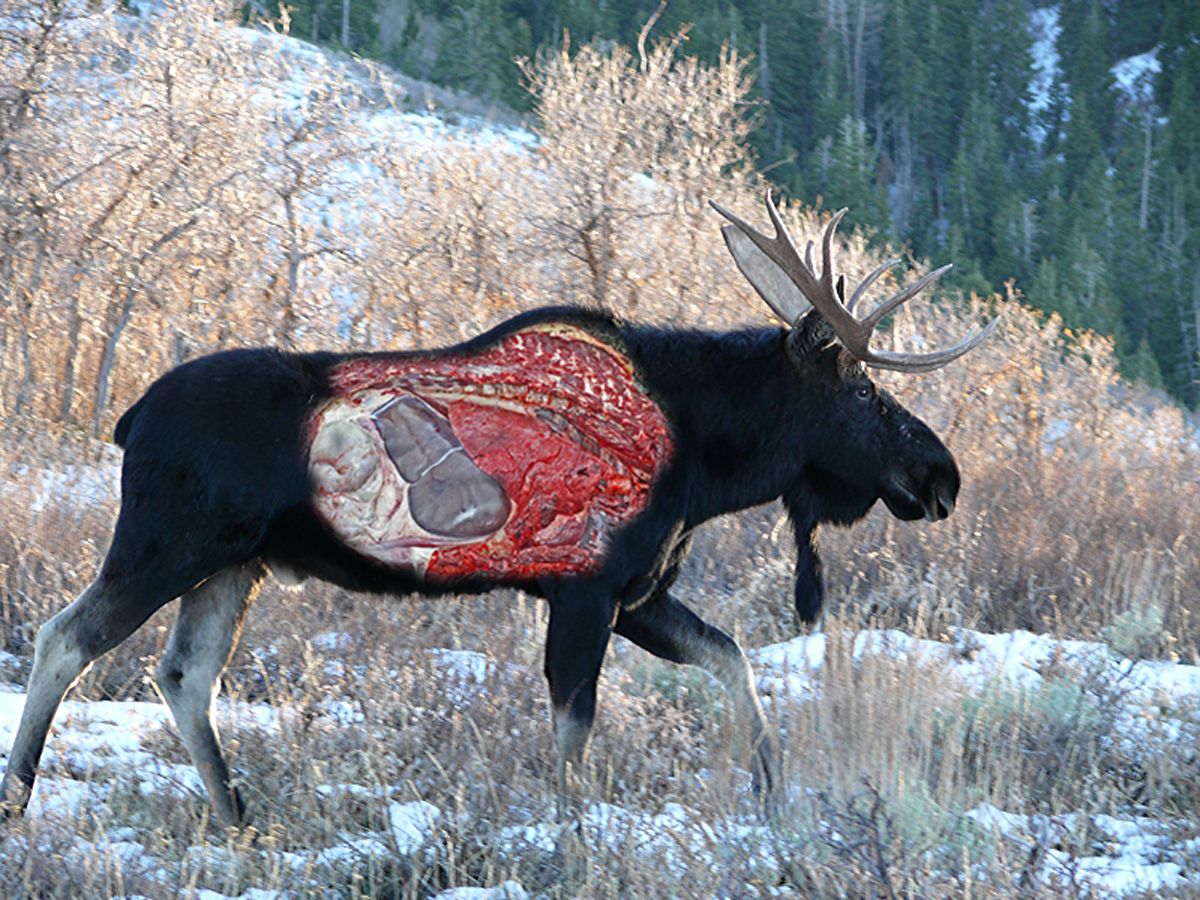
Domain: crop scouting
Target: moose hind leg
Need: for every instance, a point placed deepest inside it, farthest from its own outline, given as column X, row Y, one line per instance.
column 100, row 618
column 210, row 621
column 670, row 630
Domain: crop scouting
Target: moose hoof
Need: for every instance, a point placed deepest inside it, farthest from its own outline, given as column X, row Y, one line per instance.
column 13, row 800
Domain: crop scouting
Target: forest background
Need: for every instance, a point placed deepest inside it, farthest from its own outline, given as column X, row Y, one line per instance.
column 1056, row 146
column 172, row 184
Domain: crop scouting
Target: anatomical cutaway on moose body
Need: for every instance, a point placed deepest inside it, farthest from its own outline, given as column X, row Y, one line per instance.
column 566, row 453
column 516, row 461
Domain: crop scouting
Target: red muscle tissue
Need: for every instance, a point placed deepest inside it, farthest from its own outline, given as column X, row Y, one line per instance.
column 513, row 462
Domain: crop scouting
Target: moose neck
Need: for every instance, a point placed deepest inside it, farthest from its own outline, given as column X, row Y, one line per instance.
column 738, row 405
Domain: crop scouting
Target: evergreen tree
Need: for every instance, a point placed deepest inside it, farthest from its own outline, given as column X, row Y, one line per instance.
column 1014, row 237
column 1087, row 65
column 1006, row 47
column 478, row 50
column 1082, row 150
column 1045, row 292
column 849, row 177
column 978, row 186
column 330, row 20
column 1086, row 291
column 903, row 88
column 1143, row 366
column 407, row 55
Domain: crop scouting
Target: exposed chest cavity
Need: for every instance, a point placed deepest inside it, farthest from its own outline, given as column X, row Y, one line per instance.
column 517, row 461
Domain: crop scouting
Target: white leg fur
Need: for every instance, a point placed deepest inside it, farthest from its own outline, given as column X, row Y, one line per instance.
column 58, row 662
column 209, row 624
column 570, row 737
column 729, row 665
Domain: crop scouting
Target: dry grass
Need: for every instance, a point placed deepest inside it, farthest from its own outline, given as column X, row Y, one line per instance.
column 882, row 762
column 1078, row 516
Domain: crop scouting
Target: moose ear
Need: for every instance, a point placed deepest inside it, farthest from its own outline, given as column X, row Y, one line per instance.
column 772, row 284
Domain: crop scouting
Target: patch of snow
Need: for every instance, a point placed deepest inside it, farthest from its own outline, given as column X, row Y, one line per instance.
column 341, row 713
column 977, row 659
column 358, row 791
column 333, row 641
column 463, row 665
column 412, row 824
column 89, row 734
column 678, row 837
column 125, row 856
column 176, row 778
column 465, row 672
column 1044, row 28
column 1131, row 862
column 60, row 797
column 542, row 836
column 1135, row 77
column 509, row 890
column 352, row 852
column 78, row 484
column 1154, row 702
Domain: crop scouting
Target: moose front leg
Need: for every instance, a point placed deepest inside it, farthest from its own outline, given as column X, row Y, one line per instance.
column 576, row 638
column 668, row 629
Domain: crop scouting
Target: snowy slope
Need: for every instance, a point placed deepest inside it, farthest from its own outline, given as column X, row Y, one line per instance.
column 99, row 743
column 102, row 740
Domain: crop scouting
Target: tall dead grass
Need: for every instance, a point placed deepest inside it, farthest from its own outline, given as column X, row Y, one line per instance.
column 170, row 190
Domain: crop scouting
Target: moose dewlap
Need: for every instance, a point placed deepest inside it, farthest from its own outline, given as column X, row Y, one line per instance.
column 515, row 462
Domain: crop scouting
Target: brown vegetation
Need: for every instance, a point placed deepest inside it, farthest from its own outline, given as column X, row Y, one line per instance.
column 167, row 191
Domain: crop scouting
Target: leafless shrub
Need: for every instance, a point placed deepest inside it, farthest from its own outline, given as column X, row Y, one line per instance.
column 167, row 190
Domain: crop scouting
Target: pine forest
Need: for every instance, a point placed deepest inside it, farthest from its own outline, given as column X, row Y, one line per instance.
column 1055, row 147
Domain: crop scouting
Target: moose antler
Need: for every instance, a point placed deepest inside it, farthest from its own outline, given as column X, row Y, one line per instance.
column 828, row 298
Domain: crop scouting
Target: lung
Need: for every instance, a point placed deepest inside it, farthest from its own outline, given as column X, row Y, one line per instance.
column 516, row 461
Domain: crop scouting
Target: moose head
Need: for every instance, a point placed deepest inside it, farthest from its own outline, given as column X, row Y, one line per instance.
column 866, row 446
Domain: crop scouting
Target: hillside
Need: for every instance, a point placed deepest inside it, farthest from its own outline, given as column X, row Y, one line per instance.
column 1050, row 144
column 1000, row 704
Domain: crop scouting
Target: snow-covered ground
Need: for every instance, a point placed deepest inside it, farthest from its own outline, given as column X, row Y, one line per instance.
column 1134, row 77
column 1123, row 855
column 94, row 743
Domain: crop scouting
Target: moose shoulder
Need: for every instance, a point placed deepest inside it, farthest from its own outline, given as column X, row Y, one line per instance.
column 564, row 452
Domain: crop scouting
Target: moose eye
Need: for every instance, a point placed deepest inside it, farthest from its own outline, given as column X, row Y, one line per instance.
column 863, row 393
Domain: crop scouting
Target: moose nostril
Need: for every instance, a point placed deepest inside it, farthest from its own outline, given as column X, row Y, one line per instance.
column 945, row 504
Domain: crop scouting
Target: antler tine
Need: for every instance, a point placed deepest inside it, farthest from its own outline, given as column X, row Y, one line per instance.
column 821, row 290
column 902, row 296
column 868, row 281
column 779, row 248
column 781, row 234
column 827, row 251
column 750, row 231
column 822, row 293
column 927, row 362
